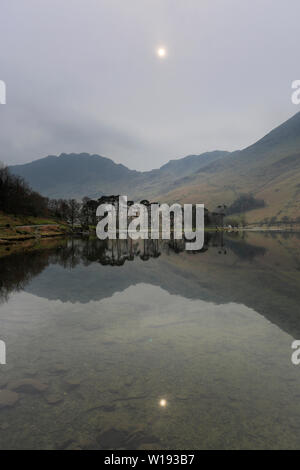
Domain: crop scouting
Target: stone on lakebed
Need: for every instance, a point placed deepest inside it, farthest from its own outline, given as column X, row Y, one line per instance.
column 27, row 386
column 53, row 399
column 72, row 382
column 8, row 398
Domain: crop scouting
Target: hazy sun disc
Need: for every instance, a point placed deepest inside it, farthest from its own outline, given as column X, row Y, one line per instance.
column 161, row 52
column 163, row 402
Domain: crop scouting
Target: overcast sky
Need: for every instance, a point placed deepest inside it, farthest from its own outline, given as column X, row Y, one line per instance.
column 84, row 76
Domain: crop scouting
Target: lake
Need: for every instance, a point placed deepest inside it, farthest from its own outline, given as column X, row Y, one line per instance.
column 142, row 345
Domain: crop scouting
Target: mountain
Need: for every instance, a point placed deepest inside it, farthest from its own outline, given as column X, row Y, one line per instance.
column 75, row 175
column 79, row 175
column 269, row 169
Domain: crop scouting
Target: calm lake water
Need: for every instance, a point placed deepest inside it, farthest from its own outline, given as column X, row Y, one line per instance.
column 144, row 346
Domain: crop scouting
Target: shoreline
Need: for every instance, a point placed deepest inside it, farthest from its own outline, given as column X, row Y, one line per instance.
column 15, row 239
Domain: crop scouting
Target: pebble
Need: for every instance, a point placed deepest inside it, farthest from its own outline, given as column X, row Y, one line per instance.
column 8, row 398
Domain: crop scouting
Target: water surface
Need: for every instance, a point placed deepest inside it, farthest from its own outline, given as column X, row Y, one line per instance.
column 98, row 334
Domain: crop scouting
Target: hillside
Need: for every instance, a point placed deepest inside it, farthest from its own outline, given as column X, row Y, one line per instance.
column 270, row 169
column 14, row 229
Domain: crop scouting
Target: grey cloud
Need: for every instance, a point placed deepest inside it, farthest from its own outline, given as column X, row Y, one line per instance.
column 84, row 76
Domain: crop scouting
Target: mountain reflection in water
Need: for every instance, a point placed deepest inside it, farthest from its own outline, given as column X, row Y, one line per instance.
column 114, row 329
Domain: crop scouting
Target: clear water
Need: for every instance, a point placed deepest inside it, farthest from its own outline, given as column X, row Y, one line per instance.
column 145, row 346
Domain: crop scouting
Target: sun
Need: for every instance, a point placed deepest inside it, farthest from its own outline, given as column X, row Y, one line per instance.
column 161, row 52
column 163, row 403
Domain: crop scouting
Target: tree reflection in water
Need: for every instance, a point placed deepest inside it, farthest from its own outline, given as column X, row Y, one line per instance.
column 17, row 269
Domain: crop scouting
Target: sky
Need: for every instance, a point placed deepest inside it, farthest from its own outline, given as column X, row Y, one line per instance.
column 85, row 76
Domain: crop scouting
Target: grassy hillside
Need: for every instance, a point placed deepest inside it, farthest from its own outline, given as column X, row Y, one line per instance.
column 270, row 169
column 22, row 228
column 24, row 220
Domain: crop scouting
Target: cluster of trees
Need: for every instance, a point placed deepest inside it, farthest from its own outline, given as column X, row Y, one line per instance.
column 244, row 203
column 66, row 210
column 17, row 198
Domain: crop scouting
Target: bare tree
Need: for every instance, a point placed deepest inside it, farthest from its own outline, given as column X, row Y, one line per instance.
column 73, row 212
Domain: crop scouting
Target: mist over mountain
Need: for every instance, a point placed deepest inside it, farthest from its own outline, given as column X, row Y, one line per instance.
column 269, row 169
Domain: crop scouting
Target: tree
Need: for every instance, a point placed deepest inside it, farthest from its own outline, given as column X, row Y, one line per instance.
column 16, row 197
column 73, row 212
column 244, row 203
column 84, row 213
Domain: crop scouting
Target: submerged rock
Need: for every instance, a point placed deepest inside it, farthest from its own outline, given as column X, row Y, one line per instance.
column 28, row 386
column 4, row 426
column 109, row 408
column 73, row 446
column 150, row 446
column 8, row 398
column 53, row 399
column 112, row 439
column 119, row 439
column 65, row 444
column 58, row 369
column 87, row 443
column 3, row 383
column 72, row 382
column 32, row 373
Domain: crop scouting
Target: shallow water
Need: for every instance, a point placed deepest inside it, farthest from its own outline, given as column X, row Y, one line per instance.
column 113, row 329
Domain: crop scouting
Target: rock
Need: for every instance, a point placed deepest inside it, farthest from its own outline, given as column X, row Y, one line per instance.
column 64, row 445
column 73, row 446
column 183, row 397
column 119, row 439
column 31, row 373
column 3, row 383
column 53, row 399
column 149, row 446
column 8, row 398
column 72, row 382
column 4, row 426
column 28, row 386
column 108, row 408
column 59, row 369
column 87, row 443
column 70, row 444
column 112, row 439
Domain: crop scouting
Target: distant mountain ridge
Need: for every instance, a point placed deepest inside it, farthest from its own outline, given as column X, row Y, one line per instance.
column 78, row 175
column 270, row 169
column 71, row 175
